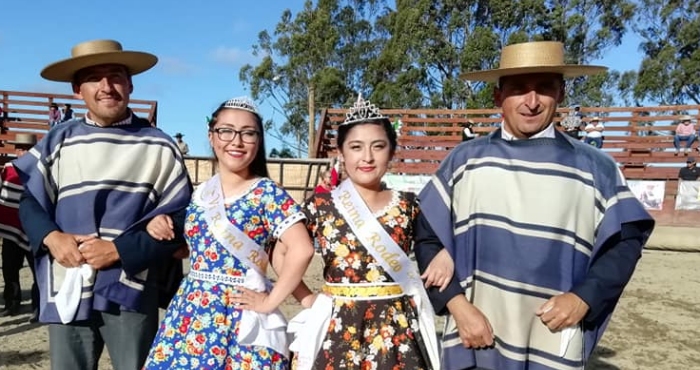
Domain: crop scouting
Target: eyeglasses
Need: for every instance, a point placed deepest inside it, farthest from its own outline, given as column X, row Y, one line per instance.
column 229, row 134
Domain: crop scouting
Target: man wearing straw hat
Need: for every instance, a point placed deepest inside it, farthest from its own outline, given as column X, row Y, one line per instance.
column 543, row 230
column 91, row 186
column 15, row 246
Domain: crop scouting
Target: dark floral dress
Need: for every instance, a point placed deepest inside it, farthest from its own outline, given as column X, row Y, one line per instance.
column 366, row 334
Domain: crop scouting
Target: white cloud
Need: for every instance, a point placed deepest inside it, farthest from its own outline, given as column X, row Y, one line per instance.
column 175, row 66
column 234, row 55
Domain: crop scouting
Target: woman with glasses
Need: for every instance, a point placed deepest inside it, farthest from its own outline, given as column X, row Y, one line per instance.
column 225, row 314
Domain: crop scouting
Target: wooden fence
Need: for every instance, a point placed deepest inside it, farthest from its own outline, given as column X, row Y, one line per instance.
column 27, row 112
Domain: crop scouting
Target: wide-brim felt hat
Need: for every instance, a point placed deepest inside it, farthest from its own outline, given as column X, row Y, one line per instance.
column 95, row 53
column 23, row 139
column 533, row 57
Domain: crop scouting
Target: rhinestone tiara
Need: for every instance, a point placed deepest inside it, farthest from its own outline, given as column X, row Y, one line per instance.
column 242, row 103
column 362, row 111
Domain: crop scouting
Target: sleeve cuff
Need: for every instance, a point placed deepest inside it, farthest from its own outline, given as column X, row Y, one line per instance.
column 440, row 299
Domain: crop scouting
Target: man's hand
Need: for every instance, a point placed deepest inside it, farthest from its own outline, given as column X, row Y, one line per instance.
column 474, row 328
column 64, row 247
column 562, row 311
column 99, row 253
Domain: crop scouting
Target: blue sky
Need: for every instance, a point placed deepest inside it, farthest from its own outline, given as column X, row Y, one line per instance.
column 201, row 47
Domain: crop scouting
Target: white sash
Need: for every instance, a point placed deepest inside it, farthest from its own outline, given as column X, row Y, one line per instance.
column 392, row 259
column 256, row 329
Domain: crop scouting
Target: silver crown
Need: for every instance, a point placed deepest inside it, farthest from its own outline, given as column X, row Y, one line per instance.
column 362, row 111
column 242, row 103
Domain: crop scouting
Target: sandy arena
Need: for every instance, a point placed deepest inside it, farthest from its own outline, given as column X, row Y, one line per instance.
column 656, row 324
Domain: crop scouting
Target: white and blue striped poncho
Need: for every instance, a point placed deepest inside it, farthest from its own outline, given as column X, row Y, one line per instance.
column 523, row 220
column 102, row 181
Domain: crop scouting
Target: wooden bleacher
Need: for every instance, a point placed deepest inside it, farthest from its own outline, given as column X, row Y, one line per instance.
column 28, row 112
column 427, row 135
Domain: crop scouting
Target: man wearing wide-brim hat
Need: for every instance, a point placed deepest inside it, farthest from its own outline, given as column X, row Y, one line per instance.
column 542, row 229
column 91, row 185
column 15, row 246
column 181, row 144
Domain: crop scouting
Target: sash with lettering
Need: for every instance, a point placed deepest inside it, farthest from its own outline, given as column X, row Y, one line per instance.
column 392, row 259
column 256, row 329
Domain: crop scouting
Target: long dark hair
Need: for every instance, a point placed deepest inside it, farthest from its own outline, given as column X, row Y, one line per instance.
column 259, row 165
column 344, row 130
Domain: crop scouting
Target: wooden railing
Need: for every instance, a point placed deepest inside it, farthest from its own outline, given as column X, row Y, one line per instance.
column 298, row 176
column 28, row 112
column 639, row 138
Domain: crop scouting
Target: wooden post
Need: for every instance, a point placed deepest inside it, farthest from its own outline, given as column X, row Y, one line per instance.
column 312, row 119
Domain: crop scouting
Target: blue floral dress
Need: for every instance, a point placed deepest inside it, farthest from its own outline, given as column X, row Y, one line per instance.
column 200, row 327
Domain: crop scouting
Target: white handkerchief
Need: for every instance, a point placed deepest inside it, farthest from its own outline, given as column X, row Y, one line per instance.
column 567, row 334
column 265, row 330
column 309, row 328
column 68, row 296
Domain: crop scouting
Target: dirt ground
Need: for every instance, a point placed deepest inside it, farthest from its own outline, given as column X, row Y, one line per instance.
column 656, row 325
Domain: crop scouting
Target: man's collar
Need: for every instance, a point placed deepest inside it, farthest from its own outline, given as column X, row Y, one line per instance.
column 124, row 122
column 547, row 132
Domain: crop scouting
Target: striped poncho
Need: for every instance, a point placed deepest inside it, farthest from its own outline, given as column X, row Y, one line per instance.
column 102, row 181
column 523, row 221
column 10, row 191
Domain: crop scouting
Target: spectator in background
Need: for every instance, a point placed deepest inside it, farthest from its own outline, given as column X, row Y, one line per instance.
column 54, row 115
column 324, row 186
column 184, row 149
column 685, row 131
column 467, row 133
column 594, row 133
column 690, row 171
column 67, row 113
column 15, row 246
column 335, row 172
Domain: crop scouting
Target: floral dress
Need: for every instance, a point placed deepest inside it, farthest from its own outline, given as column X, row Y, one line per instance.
column 199, row 330
column 366, row 334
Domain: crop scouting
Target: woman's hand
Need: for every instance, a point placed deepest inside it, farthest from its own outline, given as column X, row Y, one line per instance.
column 248, row 299
column 440, row 270
column 161, row 228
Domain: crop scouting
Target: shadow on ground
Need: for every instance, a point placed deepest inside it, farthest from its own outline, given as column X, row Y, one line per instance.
column 598, row 359
column 11, row 359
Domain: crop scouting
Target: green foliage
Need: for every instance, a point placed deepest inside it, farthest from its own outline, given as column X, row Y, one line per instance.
column 670, row 70
column 410, row 53
column 284, row 153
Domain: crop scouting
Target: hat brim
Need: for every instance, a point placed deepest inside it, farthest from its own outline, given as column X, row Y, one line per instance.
column 20, row 143
column 135, row 61
column 569, row 70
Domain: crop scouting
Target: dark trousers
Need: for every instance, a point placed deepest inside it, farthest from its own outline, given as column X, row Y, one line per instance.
column 12, row 260
column 128, row 337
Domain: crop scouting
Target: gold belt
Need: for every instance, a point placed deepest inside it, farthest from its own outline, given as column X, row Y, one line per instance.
column 362, row 291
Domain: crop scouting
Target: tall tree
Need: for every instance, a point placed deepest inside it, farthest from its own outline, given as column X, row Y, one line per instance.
column 670, row 71
column 314, row 58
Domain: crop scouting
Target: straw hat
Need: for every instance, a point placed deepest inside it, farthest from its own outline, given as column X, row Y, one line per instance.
column 686, row 117
column 98, row 52
column 23, row 139
column 533, row 57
